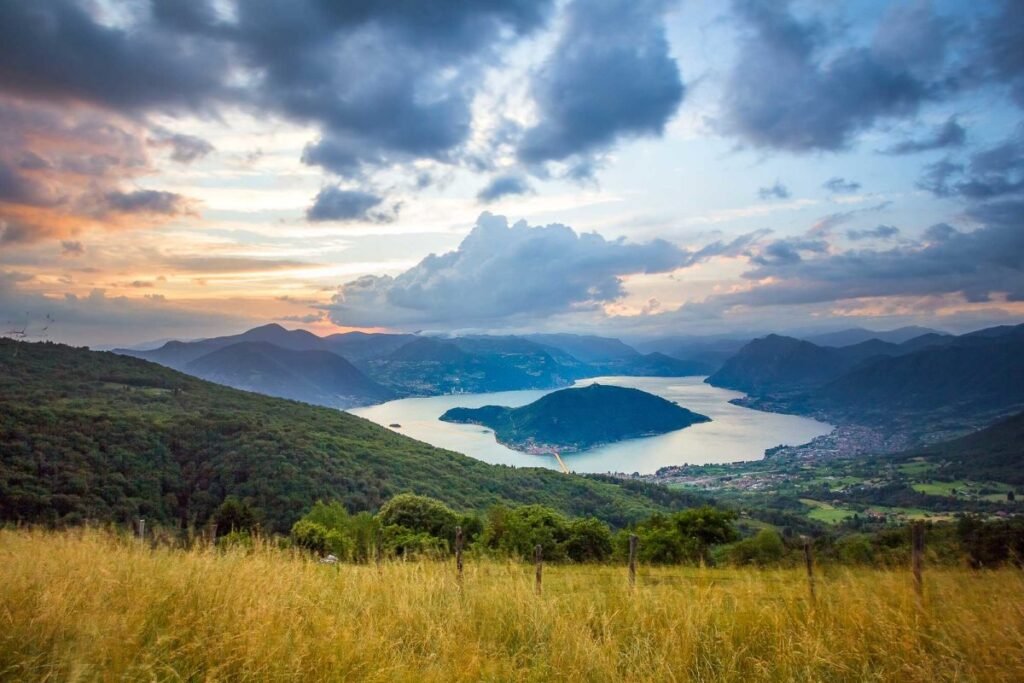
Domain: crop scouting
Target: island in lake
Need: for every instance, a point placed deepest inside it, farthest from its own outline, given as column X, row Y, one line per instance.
column 578, row 419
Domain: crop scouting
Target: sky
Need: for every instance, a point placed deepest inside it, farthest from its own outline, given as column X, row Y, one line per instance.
column 632, row 168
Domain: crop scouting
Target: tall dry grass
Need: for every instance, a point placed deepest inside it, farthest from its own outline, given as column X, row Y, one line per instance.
column 86, row 605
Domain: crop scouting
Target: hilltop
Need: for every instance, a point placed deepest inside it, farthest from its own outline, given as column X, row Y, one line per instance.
column 577, row 419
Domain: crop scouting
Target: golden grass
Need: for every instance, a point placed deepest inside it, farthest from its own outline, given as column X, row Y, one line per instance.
column 85, row 605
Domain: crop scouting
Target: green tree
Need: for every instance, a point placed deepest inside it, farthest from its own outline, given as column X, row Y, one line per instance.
column 706, row 525
column 516, row 531
column 419, row 514
column 589, row 540
column 764, row 549
column 659, row 541
column 234, row 515
column 855, row 549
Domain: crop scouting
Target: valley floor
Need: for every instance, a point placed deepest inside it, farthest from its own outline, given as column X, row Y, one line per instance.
column 85, row 605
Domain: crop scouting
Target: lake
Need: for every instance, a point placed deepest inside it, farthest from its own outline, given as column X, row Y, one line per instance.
column 734, row 433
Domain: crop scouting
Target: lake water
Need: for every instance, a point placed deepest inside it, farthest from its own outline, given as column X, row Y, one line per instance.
column 735, row 433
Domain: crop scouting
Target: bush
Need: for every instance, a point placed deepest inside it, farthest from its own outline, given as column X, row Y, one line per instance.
column 685, row 536
column 419, row 514
column 764, row 549
column 234, row 515
column 403, row 542
column 590, row 540
column 516, row 531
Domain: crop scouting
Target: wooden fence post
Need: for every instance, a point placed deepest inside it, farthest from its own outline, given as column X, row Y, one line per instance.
column 539, row 559
column 142, row 529
column 378, row 550
column 809, row 561
column 917, row 556
column 632, row 560
column 458, row 553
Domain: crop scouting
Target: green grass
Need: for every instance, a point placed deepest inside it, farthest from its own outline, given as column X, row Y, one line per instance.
column 941, row 488
column 834, row 483
column 962, row 488
column 825, row 512
column 916, row 467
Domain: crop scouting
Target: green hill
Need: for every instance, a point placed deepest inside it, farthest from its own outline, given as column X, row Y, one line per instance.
column 577, row 419
column 91, row 435
column 319, row 377
column 995, row 453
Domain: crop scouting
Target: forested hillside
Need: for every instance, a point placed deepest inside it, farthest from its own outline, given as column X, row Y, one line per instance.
column 91, row 435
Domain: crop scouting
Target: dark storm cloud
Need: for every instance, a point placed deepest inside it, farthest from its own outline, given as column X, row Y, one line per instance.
column 977, row 265
column 336, row 204
column 384, row 81
column 503, row 186
column 17, row 187
column 776, row 191
column 880, row 232
column 839, row 185
column 185, row 148
column 147, row 202
column 501, row 270
column 988, row 173
column 787, row 251
column 611, row 76
column 1000, row 48
column 949, row 134
column 58, row 50
column 793, row 88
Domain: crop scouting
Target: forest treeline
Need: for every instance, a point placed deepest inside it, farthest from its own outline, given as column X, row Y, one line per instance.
column 411, row 526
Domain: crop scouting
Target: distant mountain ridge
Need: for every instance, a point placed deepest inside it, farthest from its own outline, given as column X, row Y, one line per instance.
column 578, row 419
column 953, row 378
column 177, row 354
column 406, row 364
column 317, row 377
column 857, row 335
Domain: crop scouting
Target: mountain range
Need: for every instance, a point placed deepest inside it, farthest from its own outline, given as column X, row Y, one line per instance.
column 927, row 381
column 370, row 368
column 856, row 335
column 966, row 378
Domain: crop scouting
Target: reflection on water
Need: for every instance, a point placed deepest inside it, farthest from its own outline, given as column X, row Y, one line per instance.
column 735, row 433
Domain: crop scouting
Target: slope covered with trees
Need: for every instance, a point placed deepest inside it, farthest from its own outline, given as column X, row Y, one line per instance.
column 91, row 435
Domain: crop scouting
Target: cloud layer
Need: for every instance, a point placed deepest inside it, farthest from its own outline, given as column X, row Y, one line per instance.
column 501, row 271
column 610, row 76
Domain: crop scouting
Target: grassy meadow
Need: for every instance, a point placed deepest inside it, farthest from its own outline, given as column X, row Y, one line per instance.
column 88, row 605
